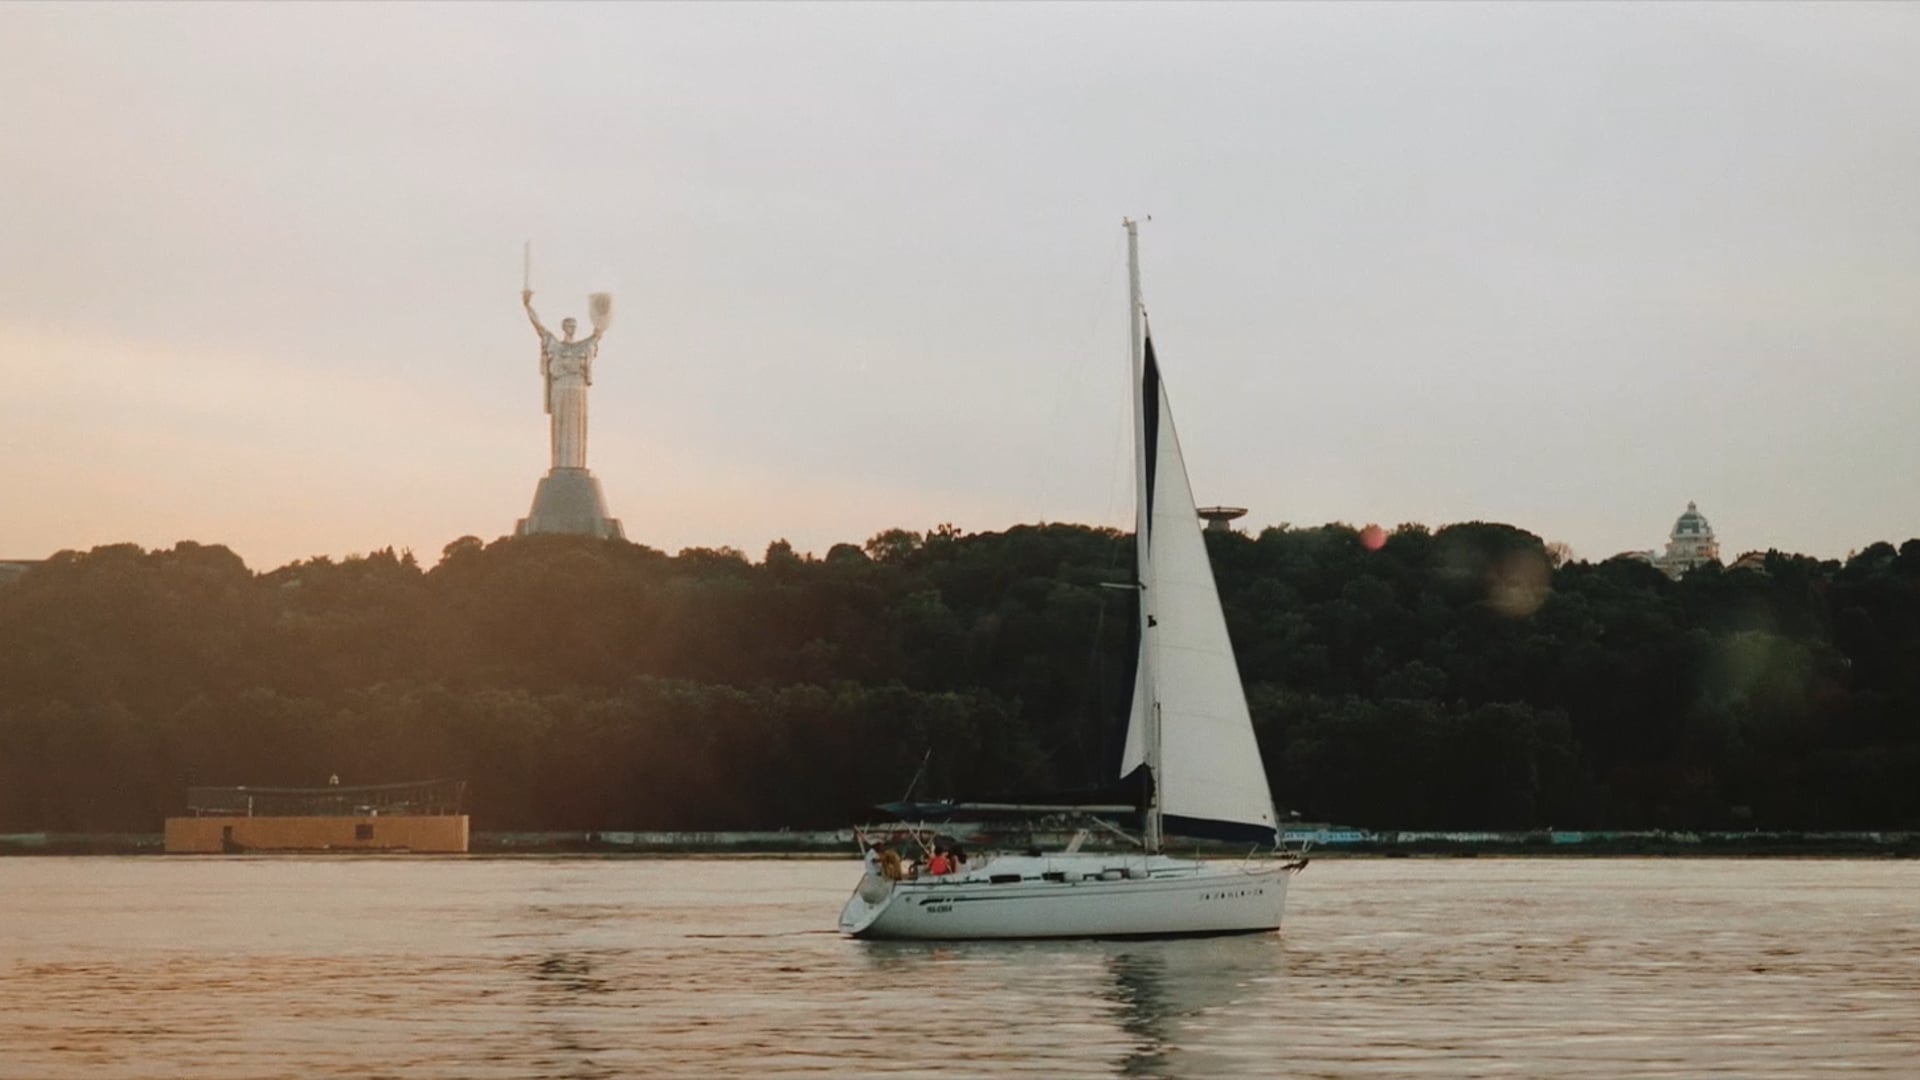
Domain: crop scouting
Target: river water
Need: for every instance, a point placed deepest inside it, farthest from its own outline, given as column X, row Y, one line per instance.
column 580, row 967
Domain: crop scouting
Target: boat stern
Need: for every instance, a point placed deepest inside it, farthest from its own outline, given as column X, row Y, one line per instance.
column 869, row 901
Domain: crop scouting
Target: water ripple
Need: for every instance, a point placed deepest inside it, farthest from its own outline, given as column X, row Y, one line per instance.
column 550, row 968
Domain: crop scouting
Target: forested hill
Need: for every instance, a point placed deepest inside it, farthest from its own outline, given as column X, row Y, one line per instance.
column 1453, row 679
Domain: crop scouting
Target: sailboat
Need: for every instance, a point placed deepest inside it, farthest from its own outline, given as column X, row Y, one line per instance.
column 1190, row 749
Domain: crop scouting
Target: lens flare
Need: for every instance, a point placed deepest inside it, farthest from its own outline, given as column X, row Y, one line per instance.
column 1519, row 584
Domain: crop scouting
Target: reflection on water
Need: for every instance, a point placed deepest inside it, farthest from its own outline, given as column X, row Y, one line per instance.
column 569, row 974
column 1173, row 993
column 560, row 981
column 422, row 968
column 1139, row 986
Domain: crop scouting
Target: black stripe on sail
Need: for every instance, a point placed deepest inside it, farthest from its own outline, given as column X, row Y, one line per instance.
column 1139, row 786
column 1150, row 404
column 1210, row 829
column 1129, row 674
column 1150, row 445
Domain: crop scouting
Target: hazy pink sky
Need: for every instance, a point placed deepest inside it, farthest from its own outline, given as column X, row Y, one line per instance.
column 1564, row 266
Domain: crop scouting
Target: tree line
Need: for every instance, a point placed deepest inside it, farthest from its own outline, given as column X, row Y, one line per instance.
column 1461, row 678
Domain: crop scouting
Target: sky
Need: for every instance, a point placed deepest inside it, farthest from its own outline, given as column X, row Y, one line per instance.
column 1564, row 266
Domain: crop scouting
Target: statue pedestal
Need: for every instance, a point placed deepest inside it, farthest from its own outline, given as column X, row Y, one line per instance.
column 569, row 501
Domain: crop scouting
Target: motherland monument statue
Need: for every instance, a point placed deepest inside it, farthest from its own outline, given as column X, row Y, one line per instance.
column 568, row 499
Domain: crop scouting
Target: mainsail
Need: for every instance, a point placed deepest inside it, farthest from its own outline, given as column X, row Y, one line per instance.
column 1209, row 778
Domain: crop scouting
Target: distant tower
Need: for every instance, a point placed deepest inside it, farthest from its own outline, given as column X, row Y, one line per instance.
column 1219, row 518
column 1691, row 544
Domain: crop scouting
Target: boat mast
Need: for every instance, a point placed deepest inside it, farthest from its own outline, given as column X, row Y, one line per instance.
column 1143, row 514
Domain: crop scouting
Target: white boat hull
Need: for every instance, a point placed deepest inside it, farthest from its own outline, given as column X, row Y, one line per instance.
column 1077, row 895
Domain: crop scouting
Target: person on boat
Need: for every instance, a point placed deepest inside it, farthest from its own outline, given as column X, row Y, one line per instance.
column 889, row 862
column 959, row 856
column 941, row 864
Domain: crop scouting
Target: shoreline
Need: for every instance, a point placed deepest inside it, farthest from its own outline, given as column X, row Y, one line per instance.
column 1340, row 844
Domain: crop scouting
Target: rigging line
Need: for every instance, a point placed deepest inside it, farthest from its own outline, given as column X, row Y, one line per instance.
column 782, row 933
column 1119, row 561
column 1073, row 376
column 917, row 774
column 1120, row 479
column 1093, row 688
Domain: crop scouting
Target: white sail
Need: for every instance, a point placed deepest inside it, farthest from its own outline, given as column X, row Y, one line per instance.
column 1210, row 779
column 1189, row 727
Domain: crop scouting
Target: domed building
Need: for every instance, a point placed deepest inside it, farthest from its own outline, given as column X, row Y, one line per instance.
column 1691, row 544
